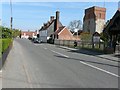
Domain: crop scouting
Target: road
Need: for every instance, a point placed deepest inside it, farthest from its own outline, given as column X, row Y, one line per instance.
column 32, row 65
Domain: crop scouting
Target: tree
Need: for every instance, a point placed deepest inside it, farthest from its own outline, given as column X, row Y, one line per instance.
column 75, row 25
column 86, row 36
column 7, row 33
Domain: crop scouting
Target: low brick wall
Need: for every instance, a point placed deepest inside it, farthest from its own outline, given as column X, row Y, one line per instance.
column 4, row 56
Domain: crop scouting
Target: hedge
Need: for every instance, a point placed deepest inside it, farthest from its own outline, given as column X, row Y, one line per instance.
column 4, row 44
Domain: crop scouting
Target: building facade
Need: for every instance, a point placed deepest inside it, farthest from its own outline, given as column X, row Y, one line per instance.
column 47, row 30
column 94, row 19
column 28, row 34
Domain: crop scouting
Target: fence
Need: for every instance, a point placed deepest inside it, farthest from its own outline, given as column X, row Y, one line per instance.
column 81, row 44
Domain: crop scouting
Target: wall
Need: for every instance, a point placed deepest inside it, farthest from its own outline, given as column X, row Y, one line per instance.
column 100, row 25
column 89, row 26
column 94, row 19
column 50, row 29
column 43, row 35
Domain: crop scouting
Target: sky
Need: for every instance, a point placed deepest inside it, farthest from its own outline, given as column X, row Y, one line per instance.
column 32, row 15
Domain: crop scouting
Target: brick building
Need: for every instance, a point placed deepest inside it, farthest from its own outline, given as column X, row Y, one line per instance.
column 94, row 19
column 64, row 34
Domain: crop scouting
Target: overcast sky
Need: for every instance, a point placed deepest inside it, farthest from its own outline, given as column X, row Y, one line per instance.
column 31, row 15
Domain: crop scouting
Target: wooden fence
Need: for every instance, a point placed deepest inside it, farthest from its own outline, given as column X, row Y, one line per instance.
column 81, row 44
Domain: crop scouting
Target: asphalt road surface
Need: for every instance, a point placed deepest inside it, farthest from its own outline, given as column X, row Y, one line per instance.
column 32, row 65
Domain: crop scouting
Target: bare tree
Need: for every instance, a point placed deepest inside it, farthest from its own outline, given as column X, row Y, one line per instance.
column 75, row 25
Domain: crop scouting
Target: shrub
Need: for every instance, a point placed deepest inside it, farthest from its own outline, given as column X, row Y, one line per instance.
column 5, row 44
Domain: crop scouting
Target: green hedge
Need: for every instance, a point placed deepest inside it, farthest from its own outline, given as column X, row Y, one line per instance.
column 4, row 44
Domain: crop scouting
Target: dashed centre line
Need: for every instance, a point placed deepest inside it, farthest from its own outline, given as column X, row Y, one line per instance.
column 105, row 71
column 60, row 54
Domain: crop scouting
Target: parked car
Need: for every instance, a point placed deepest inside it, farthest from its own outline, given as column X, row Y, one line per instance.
column 37, row 40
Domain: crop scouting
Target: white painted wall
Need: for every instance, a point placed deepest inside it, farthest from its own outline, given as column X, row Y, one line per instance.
column 100, row 25
column 43, row 35
column 24, row 36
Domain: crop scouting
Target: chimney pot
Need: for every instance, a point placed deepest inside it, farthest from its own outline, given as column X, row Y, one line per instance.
column 51, row 18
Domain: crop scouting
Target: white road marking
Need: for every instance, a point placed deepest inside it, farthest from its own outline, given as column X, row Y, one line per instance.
column 45, row 48
column 99, row 69
column 60, row 54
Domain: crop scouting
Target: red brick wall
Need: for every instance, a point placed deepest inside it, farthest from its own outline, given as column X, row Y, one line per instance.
column 66, row 35
column 95, row 12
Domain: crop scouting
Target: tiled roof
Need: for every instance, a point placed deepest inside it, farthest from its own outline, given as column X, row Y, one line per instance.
column 46, row 25
column 59, row 30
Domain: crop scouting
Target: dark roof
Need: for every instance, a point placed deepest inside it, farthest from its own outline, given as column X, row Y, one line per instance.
column 46, row 25
column 112, row 21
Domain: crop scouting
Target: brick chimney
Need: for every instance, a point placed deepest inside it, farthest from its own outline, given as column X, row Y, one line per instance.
column 57, row 15
column 57, row 20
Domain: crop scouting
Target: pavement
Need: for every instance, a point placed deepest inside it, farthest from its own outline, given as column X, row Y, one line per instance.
column 30, row 65
column 113, row 57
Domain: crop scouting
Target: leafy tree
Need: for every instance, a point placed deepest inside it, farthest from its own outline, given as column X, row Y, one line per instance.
column 104, row 37
column 7, row 33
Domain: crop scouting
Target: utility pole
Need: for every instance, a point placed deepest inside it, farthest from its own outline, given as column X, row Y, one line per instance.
column 11, row 18
column 104, row 4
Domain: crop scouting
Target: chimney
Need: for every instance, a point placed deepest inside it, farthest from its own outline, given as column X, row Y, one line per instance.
column 57, row 20
column 51, row 18
column 57, row 15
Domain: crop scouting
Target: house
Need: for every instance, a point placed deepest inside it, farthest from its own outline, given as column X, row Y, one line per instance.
column 94, row 19
column 46, row 31
column 63, row 34
column 28, row 34
column 54, row 29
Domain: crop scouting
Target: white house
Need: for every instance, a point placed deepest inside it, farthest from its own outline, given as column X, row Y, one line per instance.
column 47, row 30
column 27, row 34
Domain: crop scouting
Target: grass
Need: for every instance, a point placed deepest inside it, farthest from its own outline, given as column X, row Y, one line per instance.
column 4, row 44
column 89, row 47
